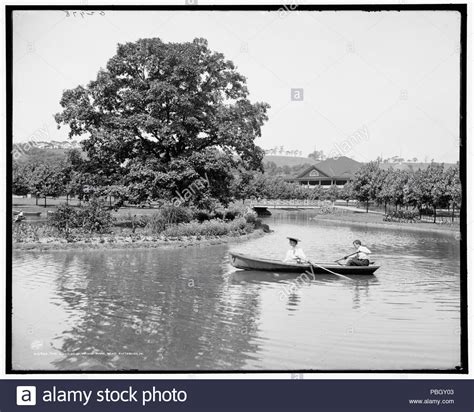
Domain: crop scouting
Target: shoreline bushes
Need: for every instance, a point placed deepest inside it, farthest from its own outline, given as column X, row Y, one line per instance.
column 94, row 218
column 214, row 227
column 404, row 216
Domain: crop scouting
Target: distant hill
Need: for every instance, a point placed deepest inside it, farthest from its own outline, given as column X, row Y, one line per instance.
column 65, row 145
column 42, row 151
column 289, row 161
column 411, row 166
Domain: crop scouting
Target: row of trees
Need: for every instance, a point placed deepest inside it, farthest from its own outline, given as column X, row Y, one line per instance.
column 431, row 188
column 39, row 178
column 435, row 187
column 139, row 182
column 269, row 186
column 74, row 176
column 425, row 189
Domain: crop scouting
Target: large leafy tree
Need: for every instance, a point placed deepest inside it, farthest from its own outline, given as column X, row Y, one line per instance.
column 453, row 184
column 385, row 194
column 365, row 183
column 155, row 106
column 347, row 192
column 86, row 177
column 454, row 188
column 45, row 179
column 20, row 178
column 417, row 190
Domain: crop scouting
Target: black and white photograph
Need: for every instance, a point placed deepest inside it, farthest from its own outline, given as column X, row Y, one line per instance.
column 274, row 188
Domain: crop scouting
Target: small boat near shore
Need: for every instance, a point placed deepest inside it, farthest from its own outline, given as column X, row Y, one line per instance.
column 16, row 212
column 246, row 262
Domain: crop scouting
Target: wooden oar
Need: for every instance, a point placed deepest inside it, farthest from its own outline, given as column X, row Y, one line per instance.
column 312, row 272
column 345, row 257
column 326, row 269
column 338, row 261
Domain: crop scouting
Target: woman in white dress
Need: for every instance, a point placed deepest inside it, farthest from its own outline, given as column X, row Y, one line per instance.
column 295, row 254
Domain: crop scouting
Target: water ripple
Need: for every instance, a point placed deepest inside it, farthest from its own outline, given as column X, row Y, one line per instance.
column 189, row 309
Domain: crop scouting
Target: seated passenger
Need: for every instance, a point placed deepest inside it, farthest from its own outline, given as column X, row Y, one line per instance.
column 295, row 254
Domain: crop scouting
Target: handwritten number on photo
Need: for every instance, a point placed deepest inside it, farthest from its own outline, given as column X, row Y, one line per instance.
column 82, row 13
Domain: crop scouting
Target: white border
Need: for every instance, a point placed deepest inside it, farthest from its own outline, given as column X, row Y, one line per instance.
column 286, row 375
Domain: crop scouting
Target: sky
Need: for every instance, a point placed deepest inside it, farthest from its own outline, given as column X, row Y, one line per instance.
column 373, row 83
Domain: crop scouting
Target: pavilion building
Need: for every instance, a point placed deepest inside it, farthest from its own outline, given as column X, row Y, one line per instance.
column 330, row 172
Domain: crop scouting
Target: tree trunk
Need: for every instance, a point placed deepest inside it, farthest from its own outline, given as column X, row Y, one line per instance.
column 67, row 198
column 452, row 214
column 367, row 207
column 434, row 214
column 45, row 201
column 36, row 199
column 385, row 207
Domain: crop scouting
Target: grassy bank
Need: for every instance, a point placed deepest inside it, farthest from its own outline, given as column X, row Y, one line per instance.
column 129, row 241
column 376, row 220
column 92, row 226
column 28, row 205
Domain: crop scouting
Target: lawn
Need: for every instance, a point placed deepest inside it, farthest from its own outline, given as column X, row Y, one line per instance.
column 29, row 205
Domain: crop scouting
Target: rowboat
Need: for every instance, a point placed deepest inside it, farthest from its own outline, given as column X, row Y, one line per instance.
column 246, row 262
column 16, row 212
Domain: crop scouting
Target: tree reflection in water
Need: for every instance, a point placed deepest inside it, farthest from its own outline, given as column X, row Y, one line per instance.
column 153, row 310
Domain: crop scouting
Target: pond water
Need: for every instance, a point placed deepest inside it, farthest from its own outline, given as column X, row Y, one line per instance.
column 188, row 309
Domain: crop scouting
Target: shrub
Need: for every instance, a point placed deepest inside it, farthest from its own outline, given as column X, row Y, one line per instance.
column 214, row 227
column 176, row 214
column 130, row 221
column 156, row 223
column 167, row 216
column 230, row 214
column 402, row 216
column 219, row 214
column 95, row 217
column 64, row 218
column 92, row 217
column 201, row 215
column 26, row 232
column 183, row 229
column 237, row 209
column 238, row 224
column 250, row 217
